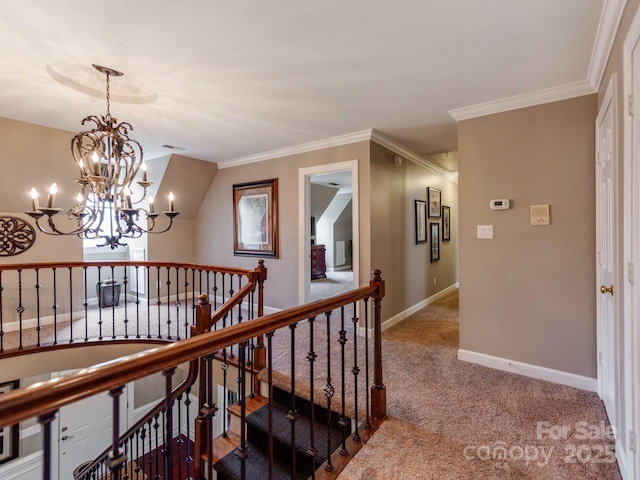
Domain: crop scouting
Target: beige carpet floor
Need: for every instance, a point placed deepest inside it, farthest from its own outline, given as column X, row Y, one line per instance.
column 449, row 419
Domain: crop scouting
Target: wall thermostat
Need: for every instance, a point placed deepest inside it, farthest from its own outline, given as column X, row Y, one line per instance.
column 499, row 204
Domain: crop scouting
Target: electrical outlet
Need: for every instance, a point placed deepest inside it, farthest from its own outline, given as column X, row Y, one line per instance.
column 434, row 281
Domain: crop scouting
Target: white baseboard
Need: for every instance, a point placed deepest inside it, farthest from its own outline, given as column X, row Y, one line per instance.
column 528, row 370
column 390, row 322
column 23, row 468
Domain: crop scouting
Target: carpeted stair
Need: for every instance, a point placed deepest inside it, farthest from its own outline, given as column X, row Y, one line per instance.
column 257, row 459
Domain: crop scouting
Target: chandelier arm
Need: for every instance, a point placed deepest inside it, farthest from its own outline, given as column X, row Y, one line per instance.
column 109, row 161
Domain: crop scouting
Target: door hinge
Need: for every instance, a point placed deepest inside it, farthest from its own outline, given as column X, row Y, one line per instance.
column 599, row 258
column 631, row 269
column 632, row 441
column 600, row 358
column 630, row 105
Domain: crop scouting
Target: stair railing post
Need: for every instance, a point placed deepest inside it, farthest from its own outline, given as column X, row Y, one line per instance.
column 378, row 390
column 203, row 319
column 259, row 355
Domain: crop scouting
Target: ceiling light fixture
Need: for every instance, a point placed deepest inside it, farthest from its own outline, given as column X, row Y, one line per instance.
column 109, row 161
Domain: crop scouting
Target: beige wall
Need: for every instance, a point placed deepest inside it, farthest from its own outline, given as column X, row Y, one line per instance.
column 406, row 266
column 528, row 295
column 214, row 225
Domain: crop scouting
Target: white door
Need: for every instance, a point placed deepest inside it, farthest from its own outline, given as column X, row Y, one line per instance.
column 85, row 430
column 605, row 247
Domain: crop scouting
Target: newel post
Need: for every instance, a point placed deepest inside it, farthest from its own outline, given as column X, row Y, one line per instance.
column 378, row 390
column 260, row 353
column 203, row 321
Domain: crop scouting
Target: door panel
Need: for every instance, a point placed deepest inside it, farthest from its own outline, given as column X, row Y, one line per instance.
column 607, row 324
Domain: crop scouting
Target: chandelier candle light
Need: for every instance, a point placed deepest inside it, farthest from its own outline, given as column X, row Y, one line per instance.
column 109, row 162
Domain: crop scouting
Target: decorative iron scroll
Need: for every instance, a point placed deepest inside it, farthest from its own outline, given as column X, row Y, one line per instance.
column 16, row 236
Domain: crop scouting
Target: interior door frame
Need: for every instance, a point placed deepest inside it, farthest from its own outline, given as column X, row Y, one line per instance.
column 628, row 459
column 304, row 221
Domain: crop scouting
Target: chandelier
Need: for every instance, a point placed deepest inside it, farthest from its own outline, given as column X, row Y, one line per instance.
column 109, row 161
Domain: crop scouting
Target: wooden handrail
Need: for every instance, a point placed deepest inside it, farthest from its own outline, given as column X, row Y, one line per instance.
column 128, row 263
column 42, row 399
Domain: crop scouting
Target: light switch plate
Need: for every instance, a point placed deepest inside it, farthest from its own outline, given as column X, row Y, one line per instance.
column 485, row 231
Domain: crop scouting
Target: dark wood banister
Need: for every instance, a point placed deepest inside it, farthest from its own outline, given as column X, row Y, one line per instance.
column 177, row 391
column 129, row 263
column 41, row 399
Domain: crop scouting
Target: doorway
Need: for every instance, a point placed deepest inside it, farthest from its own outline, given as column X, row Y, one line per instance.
column 85, row 429
column 328, row 217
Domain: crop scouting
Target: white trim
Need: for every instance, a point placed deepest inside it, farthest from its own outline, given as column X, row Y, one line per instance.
column 548, row 95
column 304, row 214
column 362, row 136
column 628, row 461
column 23, row 465
column 528, row 370
column 404, row 152
column 606, row 34
column 390, row 322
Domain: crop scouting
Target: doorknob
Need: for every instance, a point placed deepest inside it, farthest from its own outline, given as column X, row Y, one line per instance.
column 604, row 289
column 66, row 437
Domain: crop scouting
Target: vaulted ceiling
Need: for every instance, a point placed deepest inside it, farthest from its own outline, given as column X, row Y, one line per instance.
column 238, row 78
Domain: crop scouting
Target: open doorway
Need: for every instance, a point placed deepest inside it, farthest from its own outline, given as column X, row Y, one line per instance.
column 331, row 208
column 329, row 241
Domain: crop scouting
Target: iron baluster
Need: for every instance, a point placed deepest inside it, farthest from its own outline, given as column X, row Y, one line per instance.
column 45, row 420
column 329, row 391
column 55, row 306
column 367, row 423
column 39, row 326
column 20, row 308
column 311, row 356
column 99, row 309
column 168, row 374
column 293, row 413
column 70, row 306
column 355, row 370
column 85, row 304
column 113, row 303
column 117, row 457
column 270, row 400
column 343, row 419
column 125, row 282
column 137, row 271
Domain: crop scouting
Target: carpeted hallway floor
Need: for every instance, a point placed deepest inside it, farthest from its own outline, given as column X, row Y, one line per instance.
column 449, row 419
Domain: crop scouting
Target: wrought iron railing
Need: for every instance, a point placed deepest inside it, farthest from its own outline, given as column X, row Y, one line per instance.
column 48, row 305
column 337, row 378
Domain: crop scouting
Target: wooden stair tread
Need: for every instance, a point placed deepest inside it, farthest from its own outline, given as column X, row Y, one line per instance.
column 222, row 446
column 251, row 405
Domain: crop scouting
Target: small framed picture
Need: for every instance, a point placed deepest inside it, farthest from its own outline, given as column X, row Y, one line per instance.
column 434, row 228
column 255, row 218
column 435, row 202
column 446, row 230
column 421, row 221
column 8, row 435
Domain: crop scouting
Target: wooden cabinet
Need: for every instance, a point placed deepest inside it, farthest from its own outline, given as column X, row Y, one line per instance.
column 318, row 264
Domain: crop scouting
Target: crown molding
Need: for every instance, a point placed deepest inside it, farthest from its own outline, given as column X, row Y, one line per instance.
column 363, row 135
column 404, row 152
column 607, row 29
column 548, row 95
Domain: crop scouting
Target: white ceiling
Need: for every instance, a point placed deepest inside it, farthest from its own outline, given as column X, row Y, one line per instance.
column 237, row 78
